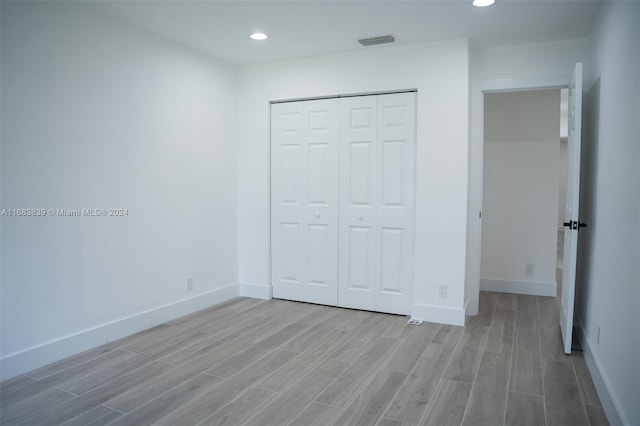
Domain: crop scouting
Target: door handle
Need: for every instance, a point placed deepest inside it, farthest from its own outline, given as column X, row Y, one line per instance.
column 360, row 217
column 317, row 215
column 574, row 224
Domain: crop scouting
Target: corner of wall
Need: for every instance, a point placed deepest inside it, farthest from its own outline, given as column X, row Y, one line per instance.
column 438, row 314
column 255, row 290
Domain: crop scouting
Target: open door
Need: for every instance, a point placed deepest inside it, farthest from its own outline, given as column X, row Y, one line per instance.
column 571, row 218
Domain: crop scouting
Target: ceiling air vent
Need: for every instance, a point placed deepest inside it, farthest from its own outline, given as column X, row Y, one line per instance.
column 372, row 41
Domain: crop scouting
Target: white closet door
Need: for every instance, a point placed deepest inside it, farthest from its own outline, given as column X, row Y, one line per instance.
column 287, row 208
column 395, row 195
column 304, row 207
column 377, row 175
column 358, row 171
column 320, row 196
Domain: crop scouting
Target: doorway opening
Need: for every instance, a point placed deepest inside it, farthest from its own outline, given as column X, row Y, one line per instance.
column 480, row 91
column 523, row 189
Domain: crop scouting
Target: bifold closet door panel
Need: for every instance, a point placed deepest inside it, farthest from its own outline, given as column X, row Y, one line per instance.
column 304, row 194
column 395, row 202
column 320, row 195
column 358, row 171
column 287, row 209
column 377, row 185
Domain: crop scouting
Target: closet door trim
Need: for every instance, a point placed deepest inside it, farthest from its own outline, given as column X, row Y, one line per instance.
column 390, row 92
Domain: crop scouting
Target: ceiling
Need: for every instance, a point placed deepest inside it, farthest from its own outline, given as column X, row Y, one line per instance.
column 310, row 28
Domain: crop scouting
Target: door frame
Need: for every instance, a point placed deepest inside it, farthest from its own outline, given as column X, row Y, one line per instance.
column 476, row 173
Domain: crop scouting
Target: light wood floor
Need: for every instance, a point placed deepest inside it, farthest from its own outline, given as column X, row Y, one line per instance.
column 278, row 362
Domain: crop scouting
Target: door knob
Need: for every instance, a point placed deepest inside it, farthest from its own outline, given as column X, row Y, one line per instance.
column 573, row 224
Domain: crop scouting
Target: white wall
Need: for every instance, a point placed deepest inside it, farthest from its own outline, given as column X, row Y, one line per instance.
column 440, row 73
column 520, row 204
column 528, row 61
column 608, row 292
column 562, row 181
column 97, row 114
column 562, row 161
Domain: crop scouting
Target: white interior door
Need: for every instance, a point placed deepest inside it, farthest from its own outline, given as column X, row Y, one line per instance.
column 395, row 197
column 377, row 175
column 287, row 210
column 304, row 200
column 320, row 196
column 358, row 170
column 572, row 205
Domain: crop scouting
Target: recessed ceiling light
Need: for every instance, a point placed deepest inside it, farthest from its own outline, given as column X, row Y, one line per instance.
column 483, row 3
column 259, row 36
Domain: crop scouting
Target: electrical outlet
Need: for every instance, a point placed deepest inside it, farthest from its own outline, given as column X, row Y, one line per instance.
column 189, row 284
column 442, row 291
column 530, row 269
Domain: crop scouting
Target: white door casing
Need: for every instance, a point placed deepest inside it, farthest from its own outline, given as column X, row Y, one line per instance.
column 571, row 208
column 476, row 173
column 304, row 200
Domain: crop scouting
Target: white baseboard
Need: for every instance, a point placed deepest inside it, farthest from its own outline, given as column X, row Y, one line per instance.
column 533, row 288
column 438, row 314
column 466, row 307
column 610, row 403
column 256, row 291
column 21, row 362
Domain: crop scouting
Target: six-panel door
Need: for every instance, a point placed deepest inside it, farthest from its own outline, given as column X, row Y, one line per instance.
column 358, row 146
column 304, row 194
column 396, row 192
column 355, row 251
column 377, row 145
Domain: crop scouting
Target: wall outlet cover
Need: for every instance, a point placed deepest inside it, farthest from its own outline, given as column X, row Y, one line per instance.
column 442, row 290
column 530, row 269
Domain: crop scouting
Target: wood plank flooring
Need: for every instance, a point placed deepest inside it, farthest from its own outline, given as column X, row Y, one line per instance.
column 253, row 362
